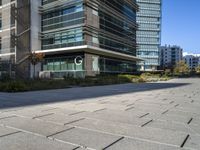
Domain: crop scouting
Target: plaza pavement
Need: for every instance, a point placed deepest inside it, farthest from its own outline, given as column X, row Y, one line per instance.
column 149, row 116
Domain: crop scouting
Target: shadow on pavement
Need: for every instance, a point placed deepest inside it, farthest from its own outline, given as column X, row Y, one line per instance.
column 11, row 100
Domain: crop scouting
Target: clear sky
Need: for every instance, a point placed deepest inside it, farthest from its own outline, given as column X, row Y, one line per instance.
column 181, row 24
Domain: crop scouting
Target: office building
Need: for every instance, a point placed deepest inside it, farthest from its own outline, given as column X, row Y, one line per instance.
column 170, row 56
column 77, row 37
column 149, row 33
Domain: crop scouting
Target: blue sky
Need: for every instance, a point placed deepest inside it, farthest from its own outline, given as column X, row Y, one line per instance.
column 181, row 24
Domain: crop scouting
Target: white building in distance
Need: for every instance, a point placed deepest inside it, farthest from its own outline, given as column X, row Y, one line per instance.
column 192, row 60
column 170, row 56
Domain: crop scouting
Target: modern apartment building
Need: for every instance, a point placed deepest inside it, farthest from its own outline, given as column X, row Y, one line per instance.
column 170, row 56
column 193, row 61
column 78, row 37
column 149, row 33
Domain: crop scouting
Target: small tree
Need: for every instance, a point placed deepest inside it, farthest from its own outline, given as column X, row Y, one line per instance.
column 197, row 69
column 35, row 58
column 181, row 68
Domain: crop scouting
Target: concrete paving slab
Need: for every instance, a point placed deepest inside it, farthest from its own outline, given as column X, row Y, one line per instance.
column 6, row 131
column 24, row 141
column 175, row 118
column 193, row 142
column 153, row 115
column 87, row 138
column 170, row 125
column 58, row 110
column 122, row 118
column 33, row 126
column 130, row 144
column 61, row 119
column 31, row 112
column 120, row 129
column 6, row 115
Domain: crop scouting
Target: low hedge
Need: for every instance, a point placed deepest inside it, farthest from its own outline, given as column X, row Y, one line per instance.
column 32, row 85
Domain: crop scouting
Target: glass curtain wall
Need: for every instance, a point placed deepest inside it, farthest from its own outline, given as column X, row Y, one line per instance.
column 148, row 34
column 58, row 25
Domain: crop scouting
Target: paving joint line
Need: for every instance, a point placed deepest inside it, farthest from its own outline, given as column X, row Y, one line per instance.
column 8, row 117
column 124, row 101
column 126, row 136
column 10, row 134
column 130, row 104
column 190, row 121
column 74, row 121
column 43, row 136
column 104, row 102
column 12, row 110
column 25, row 131
column 100, row 110
column 144, row 115
column 113, row 143
column 77, row 113
column 147, row 123
column 40, row 116
column 176, row 105
column 185, row 140
column 49, row 109
column 76, row 148
column 129, row 108
column 74, row 144
column 165, row 112
column 60, row 132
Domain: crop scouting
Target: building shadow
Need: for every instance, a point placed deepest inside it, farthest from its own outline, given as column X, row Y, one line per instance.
column 11, row 100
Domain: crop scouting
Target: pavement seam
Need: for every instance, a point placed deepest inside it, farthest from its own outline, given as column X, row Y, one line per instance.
column 129, row 108
column 49, row 109
column 113, row 143
column 176, row 105
column 76, row 148
column 130, row 137
column 124, row 101
column 78, row 145
column 8, row 117
column 130, row 104
column 190, row 121
column 165, row 112
column 100, row 110
column 40, row 116
column 60, row 132
column 147, row 123
column 185, row 140
column 9, row 134
column 77, row 113
column 25, row 131
column 12, row 110
column 74, row 121
column 144, row 115
column 43, row 136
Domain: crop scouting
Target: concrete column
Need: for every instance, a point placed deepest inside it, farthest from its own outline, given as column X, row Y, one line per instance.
column 91, row 64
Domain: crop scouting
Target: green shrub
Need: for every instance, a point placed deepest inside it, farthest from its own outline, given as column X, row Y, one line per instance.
column 14, row 86
column 31, row 85
column 141, row 80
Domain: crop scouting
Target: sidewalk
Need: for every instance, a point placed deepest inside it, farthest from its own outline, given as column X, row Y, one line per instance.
column 149, row 116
